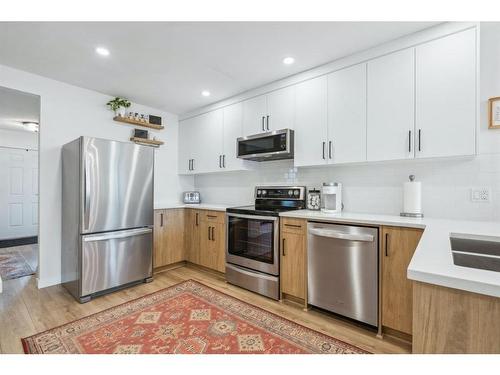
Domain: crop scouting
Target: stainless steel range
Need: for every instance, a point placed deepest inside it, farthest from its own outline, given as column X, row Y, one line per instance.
column 252, row 248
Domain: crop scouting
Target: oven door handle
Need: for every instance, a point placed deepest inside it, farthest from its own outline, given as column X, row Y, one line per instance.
column 248, row 272
column 255, row 217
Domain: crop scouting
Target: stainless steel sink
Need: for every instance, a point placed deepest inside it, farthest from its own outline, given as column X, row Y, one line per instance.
column 474, row 251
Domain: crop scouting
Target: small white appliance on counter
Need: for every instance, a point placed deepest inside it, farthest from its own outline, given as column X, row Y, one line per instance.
column 412, row 198
column 192, row 197
column 331, row 197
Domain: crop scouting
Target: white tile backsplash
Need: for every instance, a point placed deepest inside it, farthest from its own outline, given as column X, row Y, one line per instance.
column 377, row 187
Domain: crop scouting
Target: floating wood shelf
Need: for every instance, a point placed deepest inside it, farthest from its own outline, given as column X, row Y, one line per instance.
column 129, row 121
column 147, row 142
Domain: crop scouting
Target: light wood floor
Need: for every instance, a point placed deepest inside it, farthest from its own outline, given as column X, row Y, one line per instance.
column 26, row 310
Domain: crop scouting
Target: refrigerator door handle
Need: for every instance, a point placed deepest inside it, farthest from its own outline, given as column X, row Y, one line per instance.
column 86, row 199
column 114, row 235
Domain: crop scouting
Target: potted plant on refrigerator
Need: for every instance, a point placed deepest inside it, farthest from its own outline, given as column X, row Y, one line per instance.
column 118, row 105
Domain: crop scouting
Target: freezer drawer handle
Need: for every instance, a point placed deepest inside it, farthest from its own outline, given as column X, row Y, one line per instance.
column 341, row 235
column 113, row 235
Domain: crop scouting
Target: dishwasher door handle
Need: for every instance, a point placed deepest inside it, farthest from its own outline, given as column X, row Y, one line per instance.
column 341, row 235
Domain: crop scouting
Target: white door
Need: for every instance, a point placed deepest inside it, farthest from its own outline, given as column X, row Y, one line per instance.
column 207, row 140
column 281, row 109
column 233, row 129
column 446, row 96
column 18, row 193
column 391, row 106
column 311, row 122
column 254, row 115
column 347, row 115
column 186, row 145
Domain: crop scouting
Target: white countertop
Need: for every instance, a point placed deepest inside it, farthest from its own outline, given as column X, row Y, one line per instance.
column 432, row 262
column 200, row 206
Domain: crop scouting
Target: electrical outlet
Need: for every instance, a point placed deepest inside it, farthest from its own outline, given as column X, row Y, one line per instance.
column 481, row 194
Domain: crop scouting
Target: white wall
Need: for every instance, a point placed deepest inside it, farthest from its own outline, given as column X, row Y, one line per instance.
column 377, row 188
column 18, row 139
column 68, row 112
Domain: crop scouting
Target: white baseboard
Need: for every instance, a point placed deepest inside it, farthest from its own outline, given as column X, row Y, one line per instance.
column 44, row 283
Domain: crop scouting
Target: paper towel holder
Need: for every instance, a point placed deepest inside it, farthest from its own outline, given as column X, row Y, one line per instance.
column 411, row 214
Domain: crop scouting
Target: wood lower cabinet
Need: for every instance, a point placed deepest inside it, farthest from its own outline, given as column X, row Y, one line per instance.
column 293, row 257
column 168, row 243
column 206, row 238
column 398, row 246
column 212, row 246
column 193, row 235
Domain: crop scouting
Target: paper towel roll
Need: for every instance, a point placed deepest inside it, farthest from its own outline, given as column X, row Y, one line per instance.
column 412, row 197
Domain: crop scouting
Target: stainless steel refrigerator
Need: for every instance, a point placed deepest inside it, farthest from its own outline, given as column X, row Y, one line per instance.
column 107, row 215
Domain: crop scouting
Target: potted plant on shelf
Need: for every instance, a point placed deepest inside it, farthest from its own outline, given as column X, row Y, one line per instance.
column 118, row 105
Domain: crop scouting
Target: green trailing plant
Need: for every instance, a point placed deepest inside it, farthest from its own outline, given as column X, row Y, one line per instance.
column 118, row 103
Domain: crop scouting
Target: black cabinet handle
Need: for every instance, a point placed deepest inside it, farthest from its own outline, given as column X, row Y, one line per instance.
column 263, row 126
column 386, row 244
column 209, row 234
column 213, row 233
column 220, row 161
column 293, row 225
column 409, row 140
column 419, row 139
column 161, row 220
column 212, row 216
column 330, row 149
column 196, row 219
column 283, row 248
column 324, row 150
column 267, row 122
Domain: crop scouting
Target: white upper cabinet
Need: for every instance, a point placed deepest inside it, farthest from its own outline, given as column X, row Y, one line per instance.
column 391, row 106
column 281, row 109
column 186, row 144
column 233, row 129
column 272, row 111
column 347, row 115
column 311, row 122
column 254, row 115
column 208, row 142
column 446, row 96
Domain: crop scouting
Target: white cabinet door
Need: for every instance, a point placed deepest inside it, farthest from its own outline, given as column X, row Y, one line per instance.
column 311, row 122
column 280, row 109
column 186, row 144
column 254, row 115
column 207, row 141
column 391, row 106
column 233, row 128
column 446, row 96
column 347, row 115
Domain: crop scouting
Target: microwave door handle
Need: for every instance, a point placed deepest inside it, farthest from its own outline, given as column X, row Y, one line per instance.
column 322, row 232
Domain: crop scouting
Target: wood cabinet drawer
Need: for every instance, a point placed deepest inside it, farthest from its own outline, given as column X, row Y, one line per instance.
column 213, row 216
column 290, row 225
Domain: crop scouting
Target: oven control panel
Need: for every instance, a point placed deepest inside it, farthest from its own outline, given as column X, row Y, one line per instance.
column 280, row 192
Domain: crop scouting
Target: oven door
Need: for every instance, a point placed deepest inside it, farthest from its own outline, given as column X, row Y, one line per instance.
column 253, row 242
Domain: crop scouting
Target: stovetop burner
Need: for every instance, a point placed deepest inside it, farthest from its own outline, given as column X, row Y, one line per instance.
column 271, row 200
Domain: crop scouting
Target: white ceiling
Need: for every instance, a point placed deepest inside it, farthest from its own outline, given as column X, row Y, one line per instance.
column 166, row 65
column 17, row 107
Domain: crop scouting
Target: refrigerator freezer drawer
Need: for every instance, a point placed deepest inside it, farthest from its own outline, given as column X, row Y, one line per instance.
column 115, row 258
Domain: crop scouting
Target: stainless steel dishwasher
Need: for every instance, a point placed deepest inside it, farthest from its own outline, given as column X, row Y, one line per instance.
column 342, row 263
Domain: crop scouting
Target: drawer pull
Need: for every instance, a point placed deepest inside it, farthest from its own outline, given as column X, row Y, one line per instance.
column 386, row 244
column 283, row 248
column 212, row 216
column 293, row 225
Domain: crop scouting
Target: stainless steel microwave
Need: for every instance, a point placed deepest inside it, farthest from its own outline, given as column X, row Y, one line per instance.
column 274, row 145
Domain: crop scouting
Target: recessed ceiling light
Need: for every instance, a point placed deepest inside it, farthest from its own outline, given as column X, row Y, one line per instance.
column 205, row 93
column 102, row 51
column 288, row 60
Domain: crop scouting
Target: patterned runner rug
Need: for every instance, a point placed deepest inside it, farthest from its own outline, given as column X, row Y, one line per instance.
column 186, row 318
column 13, row 265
